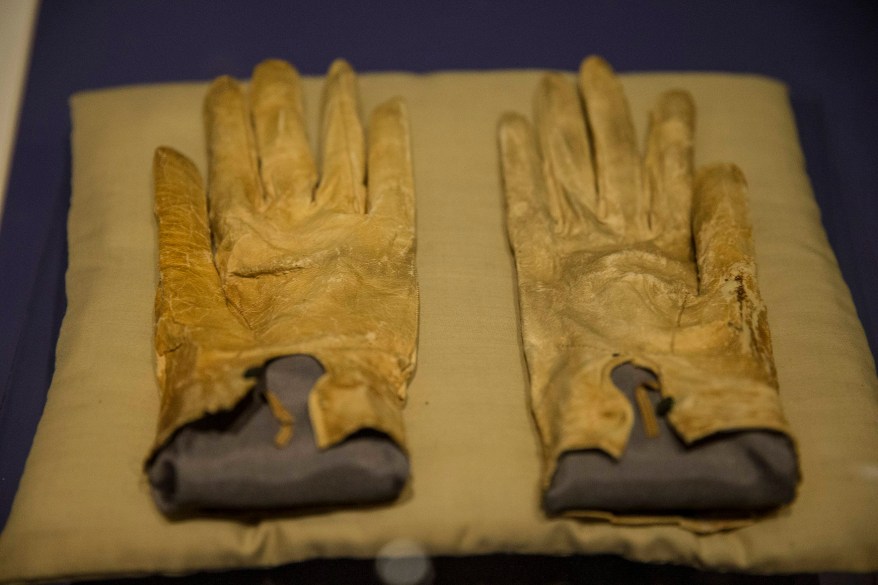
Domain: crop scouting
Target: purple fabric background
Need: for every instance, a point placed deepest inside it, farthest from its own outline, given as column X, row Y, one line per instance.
column 825, row 51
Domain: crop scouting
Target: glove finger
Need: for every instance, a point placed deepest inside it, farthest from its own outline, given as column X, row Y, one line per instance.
column 669, row 171
column 189, row 285
column 235, row 188
column 567, row 157
column 721, row 225
column 391, row 186
column 726, row 263
column 617, row 161
column 528, row 219
column 343, row 148
column 286, row 164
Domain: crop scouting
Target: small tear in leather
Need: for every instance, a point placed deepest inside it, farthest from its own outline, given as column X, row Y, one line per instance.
column 637, row 382
column 647, row 416
column 254, row 372
column 664, row 406
column 283, row 417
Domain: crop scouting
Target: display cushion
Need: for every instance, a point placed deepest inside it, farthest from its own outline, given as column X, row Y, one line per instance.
column 83, row 507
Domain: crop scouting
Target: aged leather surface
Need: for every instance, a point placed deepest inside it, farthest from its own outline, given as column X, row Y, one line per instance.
column 275, row 257
column 622, row 258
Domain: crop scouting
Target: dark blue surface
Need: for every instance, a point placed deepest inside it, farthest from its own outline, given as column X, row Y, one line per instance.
column 825, row 51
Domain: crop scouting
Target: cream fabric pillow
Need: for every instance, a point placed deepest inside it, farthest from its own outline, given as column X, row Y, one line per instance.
column 83, row 506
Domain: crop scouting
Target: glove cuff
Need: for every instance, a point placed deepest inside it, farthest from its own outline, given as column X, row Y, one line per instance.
column 361, row 392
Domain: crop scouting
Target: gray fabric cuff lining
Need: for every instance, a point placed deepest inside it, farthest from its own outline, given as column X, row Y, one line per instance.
column 745, row 471
column 229, row 462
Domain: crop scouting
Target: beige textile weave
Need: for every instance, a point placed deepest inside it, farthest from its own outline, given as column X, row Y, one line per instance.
column 83, row 507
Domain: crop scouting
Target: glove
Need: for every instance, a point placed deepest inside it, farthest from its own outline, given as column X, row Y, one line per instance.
column 274, row 263
column 642, row 271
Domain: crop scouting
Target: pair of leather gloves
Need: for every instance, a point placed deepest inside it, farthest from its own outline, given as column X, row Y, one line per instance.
column 287, row 307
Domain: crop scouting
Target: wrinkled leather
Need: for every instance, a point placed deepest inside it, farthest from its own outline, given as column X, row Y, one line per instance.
column 278, row 259
column 622, row 258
